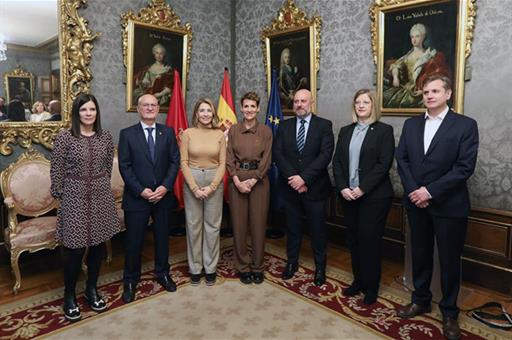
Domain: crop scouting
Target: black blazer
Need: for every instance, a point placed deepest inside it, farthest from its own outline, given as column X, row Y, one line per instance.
column 138, row 170
column 446, row 166
column 375, row 160
column 312, row 164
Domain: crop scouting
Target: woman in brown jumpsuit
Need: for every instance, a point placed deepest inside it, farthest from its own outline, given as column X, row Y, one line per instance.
column 248, row 160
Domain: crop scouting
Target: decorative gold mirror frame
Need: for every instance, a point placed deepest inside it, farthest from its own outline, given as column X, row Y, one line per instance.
column 18, row 72
column 464, row 27
column 158, row 15
column 292, row 19
column 75, row 45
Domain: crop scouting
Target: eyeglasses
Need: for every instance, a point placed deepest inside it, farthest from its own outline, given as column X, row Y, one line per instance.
column 149, row 105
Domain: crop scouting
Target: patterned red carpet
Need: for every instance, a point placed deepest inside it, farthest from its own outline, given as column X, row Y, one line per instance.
column 42, row 315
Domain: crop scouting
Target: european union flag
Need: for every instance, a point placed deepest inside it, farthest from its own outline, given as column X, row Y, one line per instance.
column 274, row 117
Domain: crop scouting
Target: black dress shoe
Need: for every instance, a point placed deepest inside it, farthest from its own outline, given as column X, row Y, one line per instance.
column 195, row 279
column 451, row 329
column 353, row 290
column 129, row 292
column 289, row 270
column 210, row 279
column 166, row 282
column 370, row 299
column 94, row 300
column 319, row 277
column 258, row 277
column 71, row 308
column 245, row 278
column 411, row 310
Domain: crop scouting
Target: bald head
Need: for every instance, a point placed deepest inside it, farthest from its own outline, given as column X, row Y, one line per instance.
column 147, row 106
column 54, row 107
column 302, row 102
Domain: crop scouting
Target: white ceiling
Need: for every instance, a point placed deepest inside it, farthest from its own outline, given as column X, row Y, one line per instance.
column 28, row 22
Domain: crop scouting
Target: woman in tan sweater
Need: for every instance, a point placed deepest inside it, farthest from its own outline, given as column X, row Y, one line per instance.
column 203, row 162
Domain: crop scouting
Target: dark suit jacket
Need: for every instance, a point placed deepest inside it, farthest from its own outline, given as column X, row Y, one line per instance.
column 312, row 164
column 139, row 172
column 375, row 160
column 445, row 168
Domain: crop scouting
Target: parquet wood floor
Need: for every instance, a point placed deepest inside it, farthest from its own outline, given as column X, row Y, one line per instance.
column 42, row 271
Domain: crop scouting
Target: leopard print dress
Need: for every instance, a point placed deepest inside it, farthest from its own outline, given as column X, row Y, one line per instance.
column 80, row 172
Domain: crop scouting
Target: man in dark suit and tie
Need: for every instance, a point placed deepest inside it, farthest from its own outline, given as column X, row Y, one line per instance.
column 302, row 151
column 436, row 156
column 149, row 162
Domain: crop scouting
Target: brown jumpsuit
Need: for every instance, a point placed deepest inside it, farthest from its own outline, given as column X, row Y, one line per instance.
column 248, row 156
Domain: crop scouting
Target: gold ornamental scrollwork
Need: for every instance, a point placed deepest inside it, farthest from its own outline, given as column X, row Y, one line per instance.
column 292, row 19
column 75, row 53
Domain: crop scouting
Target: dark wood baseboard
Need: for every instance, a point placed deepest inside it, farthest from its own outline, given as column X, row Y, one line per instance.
column 487, row 255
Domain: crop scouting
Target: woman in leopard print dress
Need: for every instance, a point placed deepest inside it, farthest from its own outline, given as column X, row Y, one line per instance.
column 81, row 167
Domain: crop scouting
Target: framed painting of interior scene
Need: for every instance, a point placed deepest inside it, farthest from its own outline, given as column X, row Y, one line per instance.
column 153, row 55
column 413, row 39
column 19, row 85
column 291, row 46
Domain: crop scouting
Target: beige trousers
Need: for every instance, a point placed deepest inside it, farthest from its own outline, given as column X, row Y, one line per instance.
column 203, row 219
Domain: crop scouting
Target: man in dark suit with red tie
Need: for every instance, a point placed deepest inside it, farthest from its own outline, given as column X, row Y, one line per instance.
column 302, row 151
column 436, row 156
column 149, row 162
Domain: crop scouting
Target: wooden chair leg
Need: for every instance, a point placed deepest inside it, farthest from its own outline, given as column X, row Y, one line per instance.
column 15, row 255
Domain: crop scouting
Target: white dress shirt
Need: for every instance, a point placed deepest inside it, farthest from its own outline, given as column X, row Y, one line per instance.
column 153, row 132
column 306, row 126
column 432, row 124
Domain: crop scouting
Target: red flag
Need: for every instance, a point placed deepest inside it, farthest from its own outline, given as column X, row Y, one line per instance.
column 227, row 117
column 177, row 119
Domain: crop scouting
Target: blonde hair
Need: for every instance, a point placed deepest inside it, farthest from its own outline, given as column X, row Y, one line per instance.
column 374, row 112
column 215, row 118
column 36, row 104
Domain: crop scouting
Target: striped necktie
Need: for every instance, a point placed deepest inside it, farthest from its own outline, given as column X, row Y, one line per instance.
column 301, row 136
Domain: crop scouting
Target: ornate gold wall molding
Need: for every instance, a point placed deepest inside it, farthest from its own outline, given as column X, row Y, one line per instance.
column 75, row 54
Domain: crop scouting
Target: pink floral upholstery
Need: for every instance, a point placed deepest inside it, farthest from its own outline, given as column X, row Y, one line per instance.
column 116, row 182
column 34, row 231
column 30, row 187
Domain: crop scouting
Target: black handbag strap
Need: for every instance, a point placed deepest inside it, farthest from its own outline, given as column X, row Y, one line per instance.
column 490, row 319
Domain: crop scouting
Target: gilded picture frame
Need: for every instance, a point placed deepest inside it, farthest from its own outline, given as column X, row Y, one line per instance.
column 154, row 45
column 412, row 39
column 19, row 84
column 75, row 52
column 291, row 45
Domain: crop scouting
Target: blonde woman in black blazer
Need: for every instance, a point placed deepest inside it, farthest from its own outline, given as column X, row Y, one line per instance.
column 361, row 163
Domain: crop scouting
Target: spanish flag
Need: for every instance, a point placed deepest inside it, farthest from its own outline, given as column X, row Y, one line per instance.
column 227, row 117
column 177, row 119
column 226, row 109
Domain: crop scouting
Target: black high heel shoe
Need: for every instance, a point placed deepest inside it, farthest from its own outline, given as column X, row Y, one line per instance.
column 94, row 300
column 71, row 308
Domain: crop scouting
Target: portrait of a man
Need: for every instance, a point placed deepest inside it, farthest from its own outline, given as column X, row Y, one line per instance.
column 290, row 56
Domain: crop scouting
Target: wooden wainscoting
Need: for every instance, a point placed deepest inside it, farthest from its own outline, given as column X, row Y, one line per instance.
column 487, row 256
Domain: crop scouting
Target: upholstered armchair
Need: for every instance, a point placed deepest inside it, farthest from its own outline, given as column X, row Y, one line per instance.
column 25, row 187
column 117, row 184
